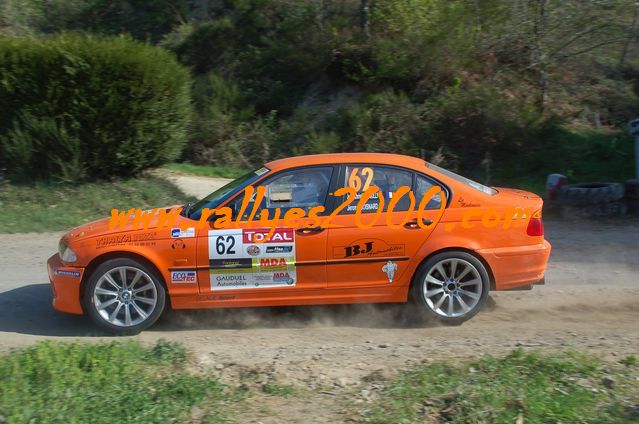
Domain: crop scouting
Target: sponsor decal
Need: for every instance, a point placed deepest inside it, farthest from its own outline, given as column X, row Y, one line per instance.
column 282, row 277
column 178, row 244
column 368, row 248
column 389, row 268
column 274, row 264
column 180, row 233
column 215, row 297
column 250, row 258
column 279, row 235
column 183, row 276
column 138, row 239
column 230, row 263
column 279, row 249
column 253, row 250
column 66, row 273
column 261, row 171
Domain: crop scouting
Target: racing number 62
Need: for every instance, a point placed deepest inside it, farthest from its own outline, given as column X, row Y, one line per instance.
column 225, row 245
column 355, row 181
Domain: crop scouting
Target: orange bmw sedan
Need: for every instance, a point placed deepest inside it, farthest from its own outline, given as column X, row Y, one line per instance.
column 309, row 230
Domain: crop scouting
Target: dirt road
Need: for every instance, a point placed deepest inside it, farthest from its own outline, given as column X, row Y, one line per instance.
column 591, row 302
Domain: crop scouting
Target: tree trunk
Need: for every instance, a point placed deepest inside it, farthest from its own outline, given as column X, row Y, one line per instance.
column 631, row 37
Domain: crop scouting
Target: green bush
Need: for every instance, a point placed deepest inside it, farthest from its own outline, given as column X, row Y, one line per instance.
column 80, row 107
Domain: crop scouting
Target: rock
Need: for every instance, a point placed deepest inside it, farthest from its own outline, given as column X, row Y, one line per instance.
column 365, row 393
column 219, row 367
column 585, row 383
column 341, row 382
column 196, row 413
column 608, row 382
column 382, row 345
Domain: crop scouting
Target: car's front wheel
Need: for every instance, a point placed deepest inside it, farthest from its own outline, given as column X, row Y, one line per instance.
column 124, row 296
column 451, row 287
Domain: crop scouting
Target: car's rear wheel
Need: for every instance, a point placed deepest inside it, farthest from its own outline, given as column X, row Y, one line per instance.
column 124, row 296
column 451, row 287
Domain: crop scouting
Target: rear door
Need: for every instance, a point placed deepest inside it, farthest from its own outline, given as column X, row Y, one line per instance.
column 378, row 255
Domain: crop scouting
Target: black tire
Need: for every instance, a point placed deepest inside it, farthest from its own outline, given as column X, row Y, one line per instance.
column 589, row 193
column 601, row 210
column 427, row 304
column 147, row 286
column 632, row 189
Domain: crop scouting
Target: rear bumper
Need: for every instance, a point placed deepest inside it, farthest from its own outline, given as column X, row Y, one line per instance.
column 518, row 266
column 65, row 284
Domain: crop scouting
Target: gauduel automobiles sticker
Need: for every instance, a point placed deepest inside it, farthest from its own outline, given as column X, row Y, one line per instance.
column 250, row 258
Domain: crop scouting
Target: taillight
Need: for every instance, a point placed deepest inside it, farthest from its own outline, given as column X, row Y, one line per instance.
column 535, row 225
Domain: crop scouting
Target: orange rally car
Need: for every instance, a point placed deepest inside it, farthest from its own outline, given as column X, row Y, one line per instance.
column 470, row 240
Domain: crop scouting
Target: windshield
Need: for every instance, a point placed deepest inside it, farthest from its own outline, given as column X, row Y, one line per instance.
column 216, row 198
column 463, row 180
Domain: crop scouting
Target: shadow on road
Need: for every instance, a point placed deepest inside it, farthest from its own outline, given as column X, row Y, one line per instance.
column 28, row 310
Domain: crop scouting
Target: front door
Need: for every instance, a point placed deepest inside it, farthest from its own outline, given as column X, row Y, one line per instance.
column 245, row 261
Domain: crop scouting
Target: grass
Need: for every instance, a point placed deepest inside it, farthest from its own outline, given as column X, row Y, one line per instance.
column 581, row 156
column 206, row 171
column 105, row 383
column 276, row 389
column 54, row 206
column 537, row 388
column 128, row 383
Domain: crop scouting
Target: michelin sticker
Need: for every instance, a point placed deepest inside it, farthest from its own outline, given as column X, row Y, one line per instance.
column 248, row 258
column 180, row 233
column 67, row 273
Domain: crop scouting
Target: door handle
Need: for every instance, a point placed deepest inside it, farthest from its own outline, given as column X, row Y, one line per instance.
column 413, row 225
column 311, row 230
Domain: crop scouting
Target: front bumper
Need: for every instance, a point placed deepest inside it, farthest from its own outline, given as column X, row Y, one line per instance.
column 518, row 266
column 65, row 284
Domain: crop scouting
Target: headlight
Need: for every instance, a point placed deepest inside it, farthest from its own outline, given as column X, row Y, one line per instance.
column 66, row 254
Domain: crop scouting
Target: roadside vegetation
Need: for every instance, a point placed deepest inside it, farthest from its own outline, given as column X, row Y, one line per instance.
column 518, row 388
column 71, row 382
column 50, row 206
column 105, row 383
column 504, row 92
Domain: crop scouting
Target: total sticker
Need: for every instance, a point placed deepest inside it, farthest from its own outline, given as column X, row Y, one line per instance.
column 183, row 277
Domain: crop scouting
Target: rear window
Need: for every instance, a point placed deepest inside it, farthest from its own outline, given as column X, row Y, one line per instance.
column 477, row 186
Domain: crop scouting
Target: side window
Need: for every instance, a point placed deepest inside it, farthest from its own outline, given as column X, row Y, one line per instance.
column 300, row 188
column 388, row 180
column 422, row 185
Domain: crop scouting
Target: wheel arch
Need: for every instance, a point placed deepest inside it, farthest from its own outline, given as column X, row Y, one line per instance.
column 119, row 254
column 479, row 257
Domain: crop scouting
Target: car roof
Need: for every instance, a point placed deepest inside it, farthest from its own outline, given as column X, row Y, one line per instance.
column 335, row 158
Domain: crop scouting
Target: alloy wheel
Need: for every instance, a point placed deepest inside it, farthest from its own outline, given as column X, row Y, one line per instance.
column 125, row 296
column 452, row 287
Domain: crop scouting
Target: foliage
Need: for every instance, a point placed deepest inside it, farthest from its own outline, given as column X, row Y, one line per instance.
column 144, row 20
column 459, row 81
column 82, row 107
column 115, row 382
column 47, row 206
column 527, row 387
